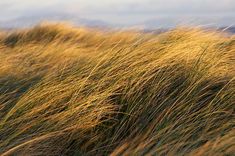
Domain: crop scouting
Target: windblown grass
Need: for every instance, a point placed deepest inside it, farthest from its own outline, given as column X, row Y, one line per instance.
column 75, row 91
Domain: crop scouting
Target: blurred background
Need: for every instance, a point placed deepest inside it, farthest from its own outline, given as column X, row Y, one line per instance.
column 143, row 14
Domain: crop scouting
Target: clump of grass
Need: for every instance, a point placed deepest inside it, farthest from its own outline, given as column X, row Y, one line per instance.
column 70, row 91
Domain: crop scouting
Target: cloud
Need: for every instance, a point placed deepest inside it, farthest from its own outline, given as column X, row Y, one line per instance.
column 125, row 11
column 166, row 7
column 123, row 6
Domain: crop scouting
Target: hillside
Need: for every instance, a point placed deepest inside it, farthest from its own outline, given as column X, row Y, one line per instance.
column 81, row 91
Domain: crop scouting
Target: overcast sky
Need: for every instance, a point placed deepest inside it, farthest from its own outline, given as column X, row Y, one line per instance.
column 126, row 12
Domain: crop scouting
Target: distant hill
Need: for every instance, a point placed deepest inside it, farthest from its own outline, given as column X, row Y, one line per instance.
column 159, row 23
column 229, row 29
column 28, row 21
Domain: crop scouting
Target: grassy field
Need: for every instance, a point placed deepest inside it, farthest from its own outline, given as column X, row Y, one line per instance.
column 80, row 91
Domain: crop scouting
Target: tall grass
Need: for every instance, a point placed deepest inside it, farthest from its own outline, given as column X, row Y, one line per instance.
column 78, row 91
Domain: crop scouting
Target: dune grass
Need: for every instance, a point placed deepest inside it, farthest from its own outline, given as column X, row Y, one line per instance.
column 80, row 91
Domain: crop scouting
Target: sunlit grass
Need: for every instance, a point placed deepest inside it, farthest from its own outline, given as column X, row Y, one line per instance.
column 80, row 91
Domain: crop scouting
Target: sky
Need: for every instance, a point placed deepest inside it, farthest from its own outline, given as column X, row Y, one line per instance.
column 125, row 12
